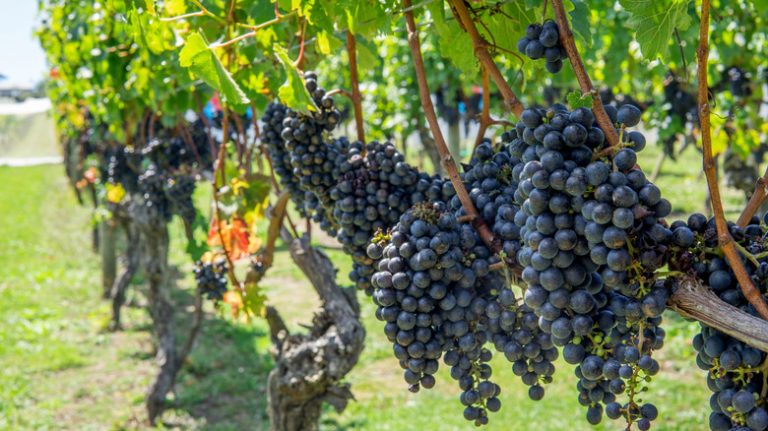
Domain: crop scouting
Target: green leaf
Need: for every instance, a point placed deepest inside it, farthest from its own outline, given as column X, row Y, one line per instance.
column 203, row 62
column 578, row 100
column 580, row 21
column 293, row 93
column 197, row 246
column 532, row 4
column 454, row 43
column 654, row 21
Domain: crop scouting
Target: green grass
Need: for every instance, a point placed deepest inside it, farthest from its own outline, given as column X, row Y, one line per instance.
column 59, row 368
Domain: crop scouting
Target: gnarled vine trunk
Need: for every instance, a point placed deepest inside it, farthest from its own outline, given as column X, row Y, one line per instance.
column 132, row 260
column 108, row 252
column 309, row 368
column 155, row 242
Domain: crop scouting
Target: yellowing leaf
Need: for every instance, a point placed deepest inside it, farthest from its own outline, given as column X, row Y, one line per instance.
column 719, row 134
column 235, row 302
column 151, row 7
column 115, row 193
column 323, row 44
column 237, row 184
column 175, row 7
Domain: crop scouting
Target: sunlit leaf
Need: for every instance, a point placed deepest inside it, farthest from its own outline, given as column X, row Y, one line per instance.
column 203, row 62
column 654, row 21
column 293, row 93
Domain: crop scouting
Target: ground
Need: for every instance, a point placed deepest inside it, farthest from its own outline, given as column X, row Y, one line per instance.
column 61, row 369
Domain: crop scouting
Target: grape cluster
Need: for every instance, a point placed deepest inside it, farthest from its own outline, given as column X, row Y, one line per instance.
column 272, row 128
column 736, row 375
column 351, row 189
column 431, row 258
column 300, row 157
column 374, row 187
column 682, row 104
column 211, row 278
column 736, row 80
column 437, row 295
column 592, row 239
column 160, row 184
column 543, row 41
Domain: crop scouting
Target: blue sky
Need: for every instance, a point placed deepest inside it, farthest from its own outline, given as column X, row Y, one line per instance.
column 21, row 59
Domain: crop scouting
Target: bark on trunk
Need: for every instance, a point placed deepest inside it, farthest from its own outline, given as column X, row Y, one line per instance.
column 153, row 229
column 309, row 368
column 107, row 250
column 161, row 309
column 132, row 260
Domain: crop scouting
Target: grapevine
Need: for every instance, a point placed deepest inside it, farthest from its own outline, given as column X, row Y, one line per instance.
column 546, row 240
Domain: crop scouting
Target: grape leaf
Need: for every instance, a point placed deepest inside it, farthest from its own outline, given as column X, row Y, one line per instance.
column 323, row 43
column 196, row 246
column 499, row 29
column 203, row 62
column 293, row 93
column 654, row 21
column 578, row 100
column 580, row 21
column 454, row 43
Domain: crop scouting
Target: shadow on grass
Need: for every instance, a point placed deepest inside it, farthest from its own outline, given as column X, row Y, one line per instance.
column 222, row 383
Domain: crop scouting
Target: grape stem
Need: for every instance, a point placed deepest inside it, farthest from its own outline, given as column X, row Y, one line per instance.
column 568, row 42
column 206, row 11
column 484, row 56
column 447, row 160
column 755, row 201
column 357, row 99
column 180, row 17
column 724, row 238
column 682, row 54
column 254, row 30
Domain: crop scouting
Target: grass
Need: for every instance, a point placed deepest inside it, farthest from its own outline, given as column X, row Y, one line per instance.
column 60, row 369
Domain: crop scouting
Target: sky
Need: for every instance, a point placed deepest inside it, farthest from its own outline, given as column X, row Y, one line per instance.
column 21, row 59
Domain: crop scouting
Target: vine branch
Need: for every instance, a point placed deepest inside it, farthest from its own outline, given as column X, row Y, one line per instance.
column 447, row 160
column 755, row 201
column 357, row 99
column 585, row 83
column 484, row 56
column 723, row 236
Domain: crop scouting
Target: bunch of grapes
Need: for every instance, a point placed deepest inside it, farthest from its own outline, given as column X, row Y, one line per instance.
column 543, row 41
column 437, row 294
column 281, row 159
column 374, row 187
column 736, row 375
column 682, row 104
column 211, row 278
column 592, row 239
column 737, row 81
